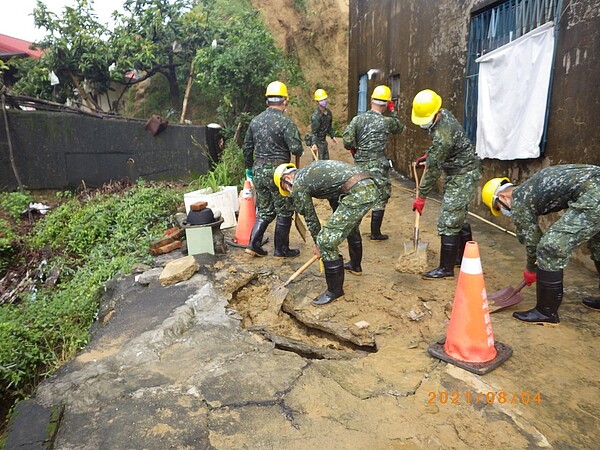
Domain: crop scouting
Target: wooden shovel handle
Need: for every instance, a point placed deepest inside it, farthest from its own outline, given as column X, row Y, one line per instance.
column 301, row 269
column 297, row 161
column 417, row 215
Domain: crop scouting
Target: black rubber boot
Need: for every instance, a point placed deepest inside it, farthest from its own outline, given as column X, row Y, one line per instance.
column 448, row 250
column 465, row 236
column 593, row 302
column 334, row 275
column 376, row 220
column 549, row 294
column 282, row 238
column 355, row 250
column 256, row 238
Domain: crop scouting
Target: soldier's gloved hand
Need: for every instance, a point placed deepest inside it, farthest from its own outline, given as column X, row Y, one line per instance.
column 420, row 161
column 391, row 107
column 249, row 174
column 419, row 204
column 529, row 277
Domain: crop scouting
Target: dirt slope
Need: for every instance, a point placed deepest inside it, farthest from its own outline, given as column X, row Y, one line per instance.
column 317, row 36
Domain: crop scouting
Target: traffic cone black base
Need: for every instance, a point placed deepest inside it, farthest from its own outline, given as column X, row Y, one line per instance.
column 503, row 352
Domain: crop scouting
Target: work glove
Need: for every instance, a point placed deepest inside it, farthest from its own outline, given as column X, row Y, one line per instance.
column 419, row 204
column 391, row 107
column 420, row 161
column 529, row 277
column 249, row 174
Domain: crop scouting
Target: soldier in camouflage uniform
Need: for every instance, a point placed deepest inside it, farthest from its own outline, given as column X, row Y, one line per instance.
column 270, row 139
column 453, row 153
column 356, row 193
column 366, row 137
column 321, row 123
column 574, row 188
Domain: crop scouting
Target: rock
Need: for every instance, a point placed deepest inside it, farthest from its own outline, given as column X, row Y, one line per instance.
column 178, row 270
column 139, row 268
column 149, row 275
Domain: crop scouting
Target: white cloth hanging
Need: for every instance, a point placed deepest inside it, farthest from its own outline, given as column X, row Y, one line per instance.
column 514, row 81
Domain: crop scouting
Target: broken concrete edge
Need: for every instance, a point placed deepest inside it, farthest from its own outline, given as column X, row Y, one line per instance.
column 33, row 425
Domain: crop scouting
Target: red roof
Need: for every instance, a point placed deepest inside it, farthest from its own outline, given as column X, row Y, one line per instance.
column 10, row 46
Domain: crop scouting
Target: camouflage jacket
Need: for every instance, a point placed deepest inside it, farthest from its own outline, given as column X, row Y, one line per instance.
column 550, row 190
column 271, row 136
column 320, row 179
column 368, row 132
column 451, row 151
column 321, row 126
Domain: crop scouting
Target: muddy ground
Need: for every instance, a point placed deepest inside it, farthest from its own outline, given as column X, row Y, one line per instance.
column 389, row 319
column 212, row 363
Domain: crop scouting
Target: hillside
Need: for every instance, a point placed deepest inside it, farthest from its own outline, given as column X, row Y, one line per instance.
column 317, row 34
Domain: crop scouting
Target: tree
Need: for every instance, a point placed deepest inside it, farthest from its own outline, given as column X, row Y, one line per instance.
column 158, row 37
column 151, row 37
column 75, row 50
column 239, row 68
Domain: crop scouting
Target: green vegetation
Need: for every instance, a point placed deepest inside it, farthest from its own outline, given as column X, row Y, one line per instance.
column 12, row 204
column 90, row 239
column 228, row 172
column 239, row 70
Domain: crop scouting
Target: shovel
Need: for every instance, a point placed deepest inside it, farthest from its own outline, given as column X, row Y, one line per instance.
column 415, row 247
column 506, row 297
column 279, row 293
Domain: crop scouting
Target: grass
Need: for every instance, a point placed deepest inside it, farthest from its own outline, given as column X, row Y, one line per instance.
column 89, row 239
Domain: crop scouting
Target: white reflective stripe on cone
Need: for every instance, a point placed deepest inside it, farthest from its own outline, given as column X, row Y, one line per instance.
column 471, row 266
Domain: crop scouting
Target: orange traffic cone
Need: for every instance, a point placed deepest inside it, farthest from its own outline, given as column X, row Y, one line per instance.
column 469, row 342
column 246, row 215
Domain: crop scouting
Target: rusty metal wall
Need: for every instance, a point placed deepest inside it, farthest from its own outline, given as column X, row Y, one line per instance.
column 425, row 43
column 61, row 150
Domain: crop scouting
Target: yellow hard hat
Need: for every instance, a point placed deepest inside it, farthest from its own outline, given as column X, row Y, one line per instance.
column 281, row 170
column 320, row 94
column 425, row 105
column 382, row 92
column 276, row 89
column 488, row 193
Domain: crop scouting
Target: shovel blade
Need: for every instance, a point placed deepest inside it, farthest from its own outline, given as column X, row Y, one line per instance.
column 507, row 303
column 506, row 296
column 502, row 294
column 409, row 248
column 277, row 297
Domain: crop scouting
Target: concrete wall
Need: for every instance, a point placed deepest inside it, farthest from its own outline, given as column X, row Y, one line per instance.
column 63, row 150
column 425, row 43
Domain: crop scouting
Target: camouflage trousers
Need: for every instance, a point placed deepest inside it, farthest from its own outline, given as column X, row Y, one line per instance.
column 269, row 202
column 380, row 172
column 323, row 149
column 578, row 224
column 346, row 218
column 458, row 193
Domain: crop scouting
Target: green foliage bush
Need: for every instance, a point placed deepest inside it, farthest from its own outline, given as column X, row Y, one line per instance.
column 95, row 239
column 14, row 203
column 229, row 171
